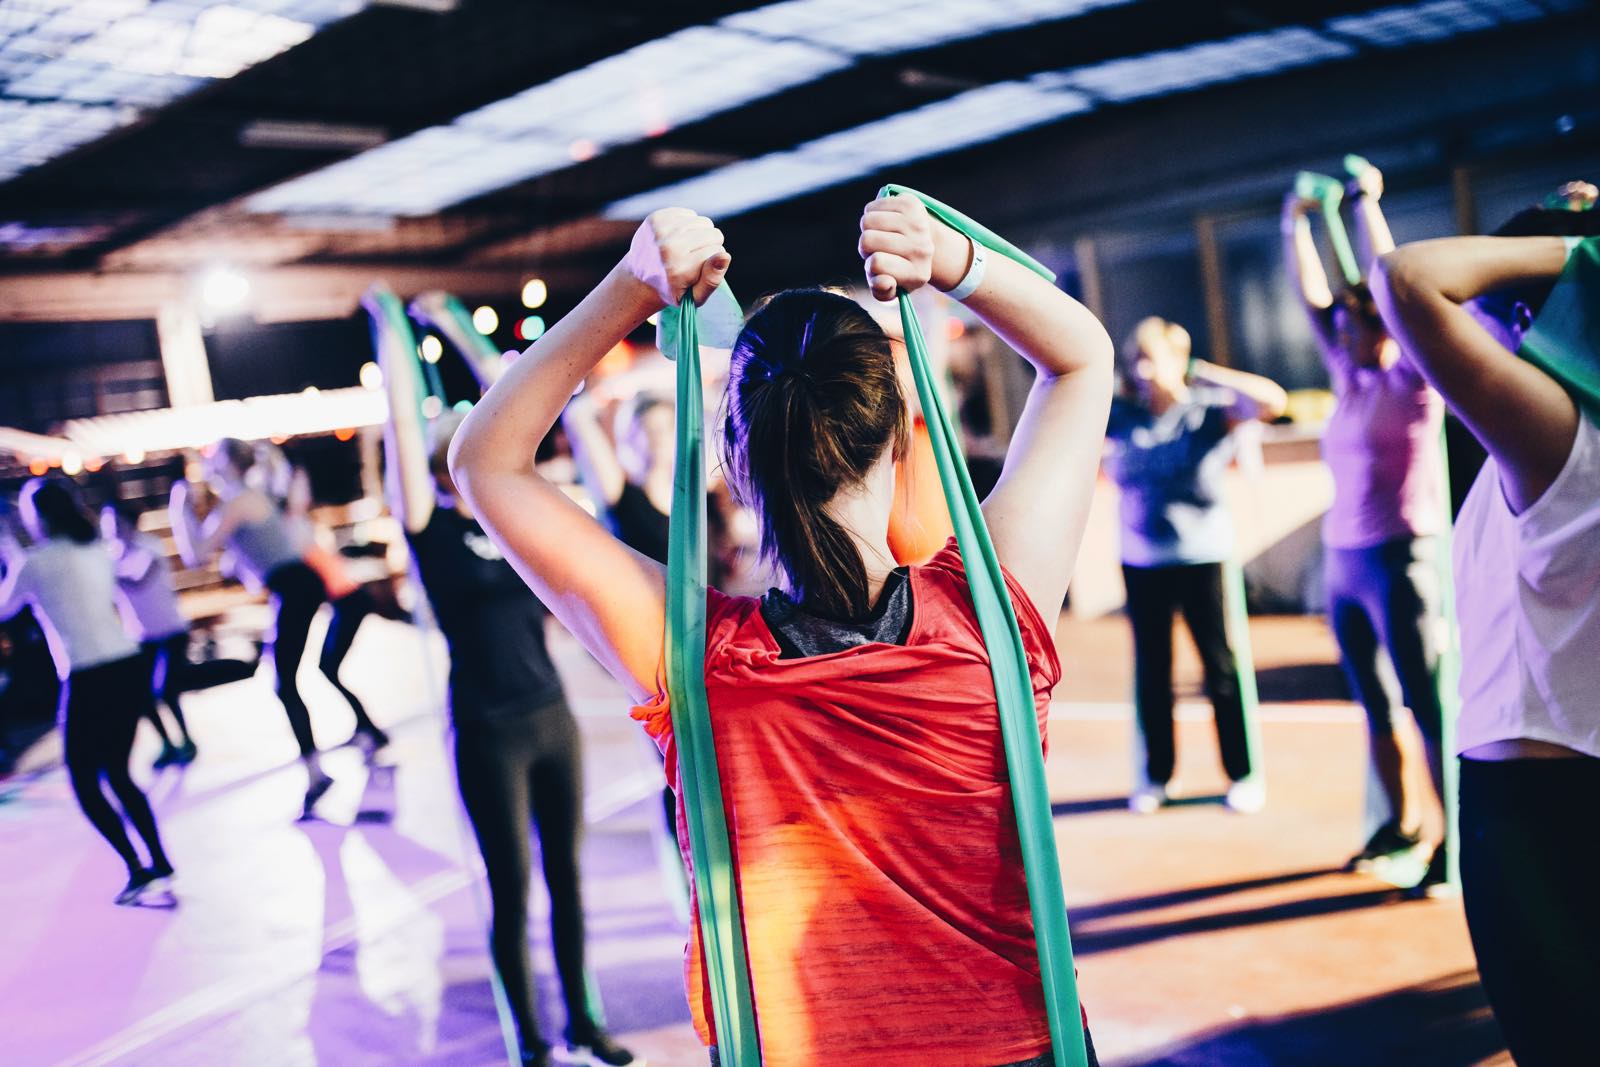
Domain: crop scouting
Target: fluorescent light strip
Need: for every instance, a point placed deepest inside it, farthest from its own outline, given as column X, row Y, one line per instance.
column 1394, row 27
column 840, row 25
column 969, row 118
column 1182, row 69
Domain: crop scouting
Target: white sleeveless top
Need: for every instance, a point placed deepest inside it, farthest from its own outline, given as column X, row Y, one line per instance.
column 1528, row 596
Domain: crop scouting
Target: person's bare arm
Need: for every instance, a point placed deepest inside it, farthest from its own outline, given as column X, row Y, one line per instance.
column 1521, row 415
column 1373, row 238
column 14, row 589
column 134, row 562
column 612, row 598
column 199, row 541
column 1256, row 398
column 1039, row 507
column 408, row 483
column 1305, row 267
column 592, row 450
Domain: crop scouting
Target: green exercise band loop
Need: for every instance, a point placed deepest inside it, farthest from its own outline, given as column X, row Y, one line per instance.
column 1329, row 192
column 722, row 946
column 1564, row 340
column 1019, row 726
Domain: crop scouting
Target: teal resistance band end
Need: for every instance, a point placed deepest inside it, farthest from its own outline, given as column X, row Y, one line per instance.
column 971, row 228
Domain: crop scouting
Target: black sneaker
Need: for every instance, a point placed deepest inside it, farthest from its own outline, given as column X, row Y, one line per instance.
column 320, row 784
column 187, row 752
column 170, row 754
column 1435, row 884
column 369, row 739
column 1386, row 840
column 138, row 882
column 537, row 1056
column 595, row 1047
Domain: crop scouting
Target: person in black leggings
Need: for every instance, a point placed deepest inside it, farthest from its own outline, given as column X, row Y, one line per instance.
column 264, row 544
column 150, row 612
column 517, row 750
column 67, row 577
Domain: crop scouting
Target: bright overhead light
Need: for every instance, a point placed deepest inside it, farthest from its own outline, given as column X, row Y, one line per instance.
column 534, row 293
column 485, row 320
column 530, row 328
column 371, row 376
column 71, row 464
column 431, row 406
column 223, row 289
column 433, row 348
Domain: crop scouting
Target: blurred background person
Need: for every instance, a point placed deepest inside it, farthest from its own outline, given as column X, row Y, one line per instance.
column 517, row 751
column 148, row 603
column 1169, row 441
column 68, row 577
column 1380, row 534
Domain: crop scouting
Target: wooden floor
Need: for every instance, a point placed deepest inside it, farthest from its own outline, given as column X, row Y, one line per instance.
column 1203, row 938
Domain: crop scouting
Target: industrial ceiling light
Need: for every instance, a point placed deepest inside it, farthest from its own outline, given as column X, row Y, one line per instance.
column 223, row 289
column 485, row 320
column 534, row 293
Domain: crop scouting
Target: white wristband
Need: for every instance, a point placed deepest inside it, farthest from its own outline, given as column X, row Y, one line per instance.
column 974, row 276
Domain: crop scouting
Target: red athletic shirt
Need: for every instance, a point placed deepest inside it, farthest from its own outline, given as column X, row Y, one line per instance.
column 875, row 845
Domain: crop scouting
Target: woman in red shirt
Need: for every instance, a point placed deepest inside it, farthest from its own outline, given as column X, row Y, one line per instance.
column 868, row 800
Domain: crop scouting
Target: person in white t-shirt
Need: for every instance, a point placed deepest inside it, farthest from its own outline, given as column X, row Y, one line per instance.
column 1527, row 571
column 67, row 577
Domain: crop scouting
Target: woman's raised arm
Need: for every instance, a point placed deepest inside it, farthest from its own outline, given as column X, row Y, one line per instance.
column 612, row 598
column 1039, row 507
column 1520, row 414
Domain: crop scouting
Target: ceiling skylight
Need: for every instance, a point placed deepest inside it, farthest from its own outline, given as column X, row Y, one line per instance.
column 96, row 64
column 1394, row 27
column 645, row 91
column 839, row 25
column 966, row 119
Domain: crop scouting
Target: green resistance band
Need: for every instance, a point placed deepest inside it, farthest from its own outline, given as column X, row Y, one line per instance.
column 1329, row 192
column 1019, row 726
column 1237, row 609
column 722, row 945
column 393, row 325
column 1564, row 340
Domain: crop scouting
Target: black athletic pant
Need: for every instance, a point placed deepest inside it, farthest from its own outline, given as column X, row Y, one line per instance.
column 297, row 593
column 100, row 710
column 1530, row 877
column 510, row 771
column 1154, row 595
column 1387, row 598
column 167, row 659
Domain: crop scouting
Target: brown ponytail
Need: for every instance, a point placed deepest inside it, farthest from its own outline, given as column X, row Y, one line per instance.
column 813, row 400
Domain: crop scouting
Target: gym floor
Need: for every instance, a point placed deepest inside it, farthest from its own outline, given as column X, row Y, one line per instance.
column 1203, row 938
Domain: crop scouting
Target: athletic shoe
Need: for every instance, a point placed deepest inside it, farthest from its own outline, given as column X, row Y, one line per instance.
column 1246, row 796
column 1149, row 798
column 1386, row 840
column 170, row 754
column 537, row 1056
column 369, row 739
column 138, row 882
column 1435, row 884
column 320, row 783
column 187, row 752
column 595, row 1048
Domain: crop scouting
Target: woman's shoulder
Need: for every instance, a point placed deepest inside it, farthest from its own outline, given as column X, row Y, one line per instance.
column 944, row 576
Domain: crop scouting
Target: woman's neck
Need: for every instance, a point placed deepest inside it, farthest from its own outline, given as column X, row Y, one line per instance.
column 862, row 511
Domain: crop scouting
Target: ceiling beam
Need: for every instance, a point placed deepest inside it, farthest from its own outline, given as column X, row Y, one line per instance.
column 283, row 294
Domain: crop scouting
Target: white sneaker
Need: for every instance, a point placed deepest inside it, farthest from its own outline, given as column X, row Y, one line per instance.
column 1246, row 797
column 1148, row 799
